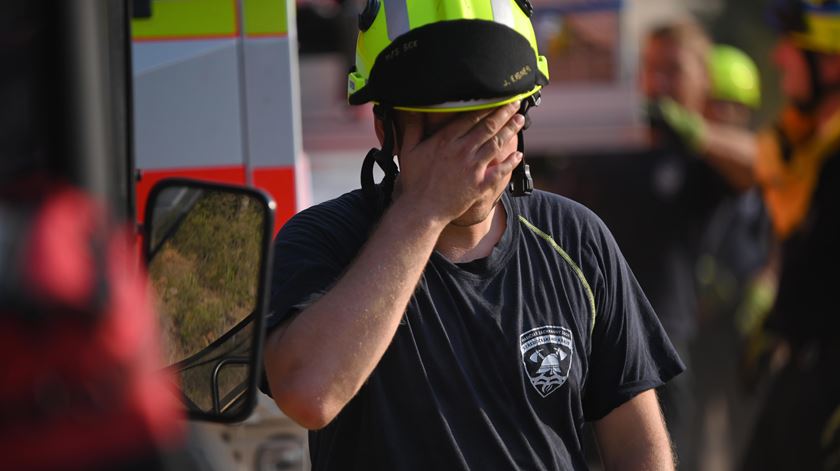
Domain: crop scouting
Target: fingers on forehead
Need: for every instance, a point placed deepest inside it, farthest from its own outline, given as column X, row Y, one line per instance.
column 497, row 119
column 456, row 123
column 471, row 119
column 453, row 120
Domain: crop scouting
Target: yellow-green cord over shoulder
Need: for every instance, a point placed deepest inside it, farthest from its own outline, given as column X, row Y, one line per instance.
column 572, row 264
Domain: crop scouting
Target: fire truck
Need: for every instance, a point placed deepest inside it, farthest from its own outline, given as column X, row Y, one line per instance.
column 215, row 96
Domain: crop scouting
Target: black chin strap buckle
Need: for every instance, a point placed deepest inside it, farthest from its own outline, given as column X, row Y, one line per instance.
column 521, row 183
column 385, row 159
column 381, row 157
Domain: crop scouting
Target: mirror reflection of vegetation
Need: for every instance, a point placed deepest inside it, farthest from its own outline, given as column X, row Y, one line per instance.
column 206, row 248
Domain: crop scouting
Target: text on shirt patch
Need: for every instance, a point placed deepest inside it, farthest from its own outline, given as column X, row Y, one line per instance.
column 547, row 357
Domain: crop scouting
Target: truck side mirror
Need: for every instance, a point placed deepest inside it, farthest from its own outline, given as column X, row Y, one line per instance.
column 208, row 248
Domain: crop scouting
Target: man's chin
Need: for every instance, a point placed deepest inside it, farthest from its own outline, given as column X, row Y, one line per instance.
column 475, row 215
column 469, row 219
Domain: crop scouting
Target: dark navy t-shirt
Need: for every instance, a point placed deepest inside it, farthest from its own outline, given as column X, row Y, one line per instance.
column 498, row 362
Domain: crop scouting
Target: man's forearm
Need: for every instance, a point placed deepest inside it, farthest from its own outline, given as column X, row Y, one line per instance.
column 634, row 437
column 357, row 317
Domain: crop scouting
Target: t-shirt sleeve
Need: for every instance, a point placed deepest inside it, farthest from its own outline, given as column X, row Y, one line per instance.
column 302, row 272
column 630, row 352
column 312, row 250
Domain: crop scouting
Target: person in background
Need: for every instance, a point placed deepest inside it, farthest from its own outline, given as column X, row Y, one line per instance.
column 734, row 249
column 798, row 171
column 670, row 196
column 676, row 82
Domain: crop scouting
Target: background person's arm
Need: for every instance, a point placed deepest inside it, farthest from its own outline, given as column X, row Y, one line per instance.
column 633, row 436
column 732, row 152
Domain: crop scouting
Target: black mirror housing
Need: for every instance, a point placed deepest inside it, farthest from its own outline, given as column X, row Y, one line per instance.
column 208, row 250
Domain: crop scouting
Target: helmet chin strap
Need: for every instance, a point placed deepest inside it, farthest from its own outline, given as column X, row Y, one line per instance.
column 381, row 196
column 521, row 183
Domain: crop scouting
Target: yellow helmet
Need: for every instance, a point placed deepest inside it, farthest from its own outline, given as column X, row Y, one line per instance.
column 734, row 76
column 450, row 55
column 814, row 25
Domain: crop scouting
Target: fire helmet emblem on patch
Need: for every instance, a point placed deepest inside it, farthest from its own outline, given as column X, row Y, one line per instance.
column 547, row 356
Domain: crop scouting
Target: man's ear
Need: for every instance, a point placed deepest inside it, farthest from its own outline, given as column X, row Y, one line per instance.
column 379, row 129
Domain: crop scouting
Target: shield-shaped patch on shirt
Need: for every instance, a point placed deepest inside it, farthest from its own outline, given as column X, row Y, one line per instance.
column 547, row 357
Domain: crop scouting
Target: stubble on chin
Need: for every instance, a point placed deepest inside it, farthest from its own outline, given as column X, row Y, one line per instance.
column 477, row 214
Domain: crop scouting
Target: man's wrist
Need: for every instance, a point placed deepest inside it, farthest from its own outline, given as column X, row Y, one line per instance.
column 415, row 218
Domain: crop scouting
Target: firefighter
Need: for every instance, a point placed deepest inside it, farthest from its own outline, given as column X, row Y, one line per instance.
column 677, row 82
column 451, row 317
column 798, row 170
column 731, row 269
column 696, row 167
